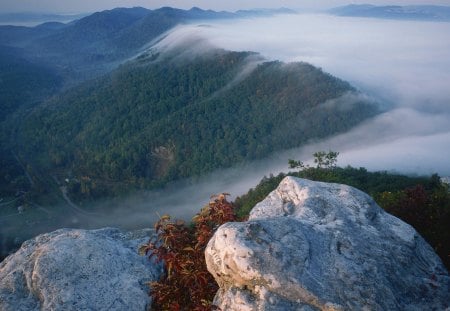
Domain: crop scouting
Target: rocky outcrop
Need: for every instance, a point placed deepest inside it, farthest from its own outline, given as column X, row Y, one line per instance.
column 319, row 246
column 72, row 269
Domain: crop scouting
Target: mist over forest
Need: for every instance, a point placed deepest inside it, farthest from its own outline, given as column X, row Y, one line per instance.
column 401, row 67
column 403, row 64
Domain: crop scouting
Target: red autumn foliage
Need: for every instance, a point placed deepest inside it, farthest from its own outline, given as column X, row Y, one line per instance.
column 187, row 284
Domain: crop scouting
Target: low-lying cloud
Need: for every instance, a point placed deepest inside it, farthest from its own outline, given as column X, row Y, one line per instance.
column 404, row 64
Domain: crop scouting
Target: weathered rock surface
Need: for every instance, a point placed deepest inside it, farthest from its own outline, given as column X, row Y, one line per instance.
column 71, row 269
column 320, row 246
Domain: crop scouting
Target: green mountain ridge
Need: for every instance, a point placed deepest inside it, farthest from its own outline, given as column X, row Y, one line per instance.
column 97, row 43
column 155, row 119
column 166, row 117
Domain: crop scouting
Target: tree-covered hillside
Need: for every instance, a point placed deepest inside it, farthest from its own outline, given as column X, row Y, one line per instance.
column 166, row 117
column 23, row 82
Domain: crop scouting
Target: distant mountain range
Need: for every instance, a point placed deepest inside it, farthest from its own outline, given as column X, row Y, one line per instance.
column 86, row 47
column 98, row 42
column 409, row 12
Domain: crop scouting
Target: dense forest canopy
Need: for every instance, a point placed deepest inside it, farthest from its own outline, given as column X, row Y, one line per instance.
column 161, row 118
column 23, row 82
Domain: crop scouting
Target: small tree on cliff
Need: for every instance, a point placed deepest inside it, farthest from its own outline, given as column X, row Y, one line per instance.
column 324, row 169
column 323, row 160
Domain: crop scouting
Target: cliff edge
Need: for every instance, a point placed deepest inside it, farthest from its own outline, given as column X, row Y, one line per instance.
column 72, row 269
column 307, row 246
column 321, row 246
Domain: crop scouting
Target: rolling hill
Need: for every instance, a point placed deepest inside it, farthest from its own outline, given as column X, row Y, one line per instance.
column 97, row 43
column 163, row 117
column 23, row 82
column 38, row 62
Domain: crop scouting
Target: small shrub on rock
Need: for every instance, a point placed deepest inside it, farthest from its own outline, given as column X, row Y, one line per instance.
column 186, row 284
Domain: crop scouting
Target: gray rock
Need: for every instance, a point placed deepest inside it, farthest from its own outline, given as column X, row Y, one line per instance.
column 319, row 246
column 71, row 269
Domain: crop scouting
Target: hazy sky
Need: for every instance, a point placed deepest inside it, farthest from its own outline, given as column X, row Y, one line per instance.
column 81, row 6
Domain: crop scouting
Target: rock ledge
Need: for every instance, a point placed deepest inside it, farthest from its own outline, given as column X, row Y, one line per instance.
column 319, row 246
column 71, row 269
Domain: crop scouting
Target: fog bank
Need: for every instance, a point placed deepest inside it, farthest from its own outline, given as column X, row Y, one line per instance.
column 404, row 64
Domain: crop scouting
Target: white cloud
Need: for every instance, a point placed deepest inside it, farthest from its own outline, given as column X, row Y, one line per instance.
column 405, row 64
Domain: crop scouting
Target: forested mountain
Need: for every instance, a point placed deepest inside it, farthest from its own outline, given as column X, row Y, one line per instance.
column 164, row 117
column 21, row 36
column 23, row 85
column 23, row 82
column 148, row 122
column 97, row 43
column 38, row 62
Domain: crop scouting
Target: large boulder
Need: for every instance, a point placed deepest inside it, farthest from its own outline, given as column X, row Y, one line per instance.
column 71, row 269
column 320, row 246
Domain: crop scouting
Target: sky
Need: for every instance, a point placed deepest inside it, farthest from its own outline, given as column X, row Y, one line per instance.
column 85, row 6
